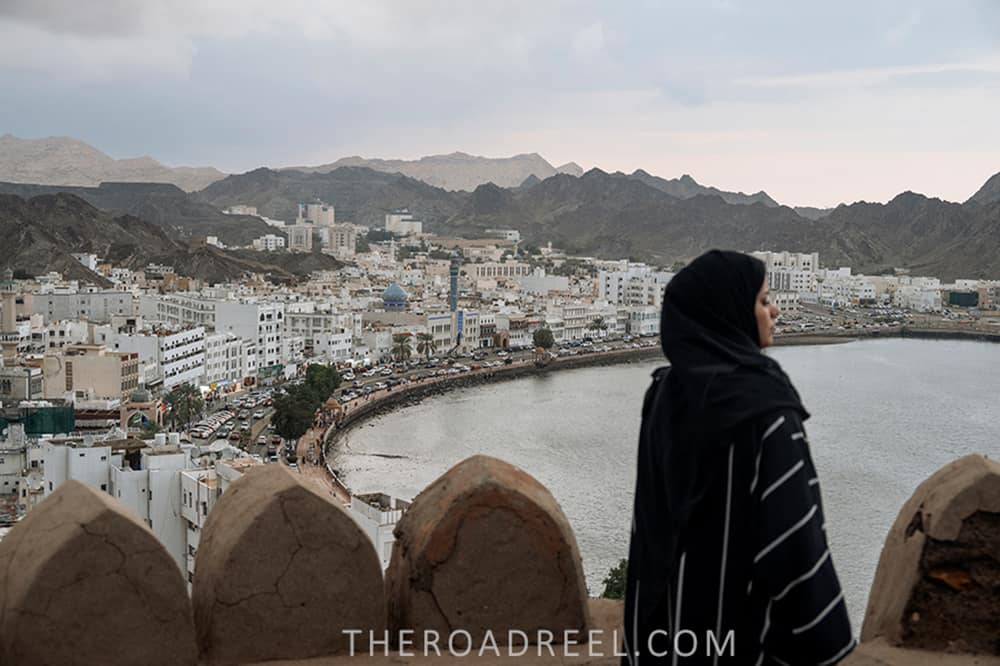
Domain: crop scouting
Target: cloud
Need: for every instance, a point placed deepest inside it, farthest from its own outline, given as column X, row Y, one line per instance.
column 589, row 41
column 838, row 80
column 902, row 30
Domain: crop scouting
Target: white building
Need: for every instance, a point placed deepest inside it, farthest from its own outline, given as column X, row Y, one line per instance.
column 95, row 306
column 300, row 237
column 402, row 222
column 643, row 320
column 496, row 269
column 269, row 243
column 259, row 322
column 377, row 514
column 88, row 260
column 316, row 212
column 637, row 285
column 333, row 346
column 179, row 355
column 342, row 240
column 225, row 358
column 240, row 209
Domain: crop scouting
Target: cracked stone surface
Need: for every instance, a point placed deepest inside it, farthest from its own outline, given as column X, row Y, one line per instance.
column 485, row 547
column 931, row 519
column 280, row 572
column 85, row 582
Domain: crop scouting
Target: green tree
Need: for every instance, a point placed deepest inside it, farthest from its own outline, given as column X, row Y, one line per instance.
column 361, row 245
column 293, row 415
column 401, row 349
column 186, row 404
column 379, row 235
column 543, row 338
column 426, row 344
column 295, row 412
column 150, row 428
column 614, row 582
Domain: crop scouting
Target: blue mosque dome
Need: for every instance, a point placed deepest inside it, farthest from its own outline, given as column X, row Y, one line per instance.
column 394, row 297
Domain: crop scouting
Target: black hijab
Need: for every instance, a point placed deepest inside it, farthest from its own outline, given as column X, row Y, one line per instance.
column 718, row 381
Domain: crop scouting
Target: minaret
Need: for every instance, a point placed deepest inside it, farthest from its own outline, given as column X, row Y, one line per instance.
column 8, row 323
column 453, row 272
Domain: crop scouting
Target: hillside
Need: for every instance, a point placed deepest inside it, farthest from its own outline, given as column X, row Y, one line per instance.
column 613, row 216
column 42, row 233
column 64, row 160
column 609, row 215
column 988, row 193
column 162, row 204
column 458, row 171
column 359, row 194
column 686, row 187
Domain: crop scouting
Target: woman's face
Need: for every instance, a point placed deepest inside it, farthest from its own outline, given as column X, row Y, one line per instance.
column 766, row 314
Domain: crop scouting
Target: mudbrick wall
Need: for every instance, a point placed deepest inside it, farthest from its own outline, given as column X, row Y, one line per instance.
column 283, row 573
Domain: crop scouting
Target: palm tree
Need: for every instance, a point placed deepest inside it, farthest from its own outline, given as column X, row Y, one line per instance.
column 426, row 344
column 185, row 404
column 401, row 346
column 598, row 324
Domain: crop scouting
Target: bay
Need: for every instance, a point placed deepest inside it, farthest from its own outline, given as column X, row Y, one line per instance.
column 886, row 414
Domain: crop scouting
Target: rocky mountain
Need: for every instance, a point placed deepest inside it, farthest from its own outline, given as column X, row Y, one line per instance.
column 618, row 215
column 67, row 161
column 811, row 212
column 613, row 216
column 359, row 194
column 988, row 193
column 928, row 236
column 458, row 171
column 44, row 231
column 162, row 204
column 686, row 187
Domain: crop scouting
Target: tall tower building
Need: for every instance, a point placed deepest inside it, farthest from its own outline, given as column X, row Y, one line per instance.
column 8, row 322
column 453, row 273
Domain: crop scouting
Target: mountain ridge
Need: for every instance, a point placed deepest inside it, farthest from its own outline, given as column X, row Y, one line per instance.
column 456, row 171
column 63, row 160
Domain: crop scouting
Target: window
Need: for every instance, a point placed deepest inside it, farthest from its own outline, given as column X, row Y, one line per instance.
column 104, row 487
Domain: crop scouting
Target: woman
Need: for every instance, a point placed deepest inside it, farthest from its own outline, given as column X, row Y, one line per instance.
column 728, row 562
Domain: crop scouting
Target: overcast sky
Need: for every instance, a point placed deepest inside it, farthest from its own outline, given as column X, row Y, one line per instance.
column 816, row 103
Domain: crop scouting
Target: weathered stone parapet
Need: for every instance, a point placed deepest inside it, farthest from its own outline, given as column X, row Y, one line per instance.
column 937, row 586
column 486, row 548
column 84, row 582
column 281, row 572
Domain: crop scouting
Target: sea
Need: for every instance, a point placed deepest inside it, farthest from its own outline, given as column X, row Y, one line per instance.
column 886, row 414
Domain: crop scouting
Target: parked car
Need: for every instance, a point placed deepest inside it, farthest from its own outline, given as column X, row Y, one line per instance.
column 259, row 414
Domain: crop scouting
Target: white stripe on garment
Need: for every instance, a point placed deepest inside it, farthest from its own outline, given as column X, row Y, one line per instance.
column 635, row 628
column 813, row 481
column 819, row 618
column 804, row 577
column 784, row 477
column 789, row 532
column 767, row 433
column 771, row 428
column 767, row 623
column 725, row 549
column 680, row 596
column 832, row 660
column 798, row 435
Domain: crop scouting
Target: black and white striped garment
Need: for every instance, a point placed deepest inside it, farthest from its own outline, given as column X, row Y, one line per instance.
column 755, row 583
